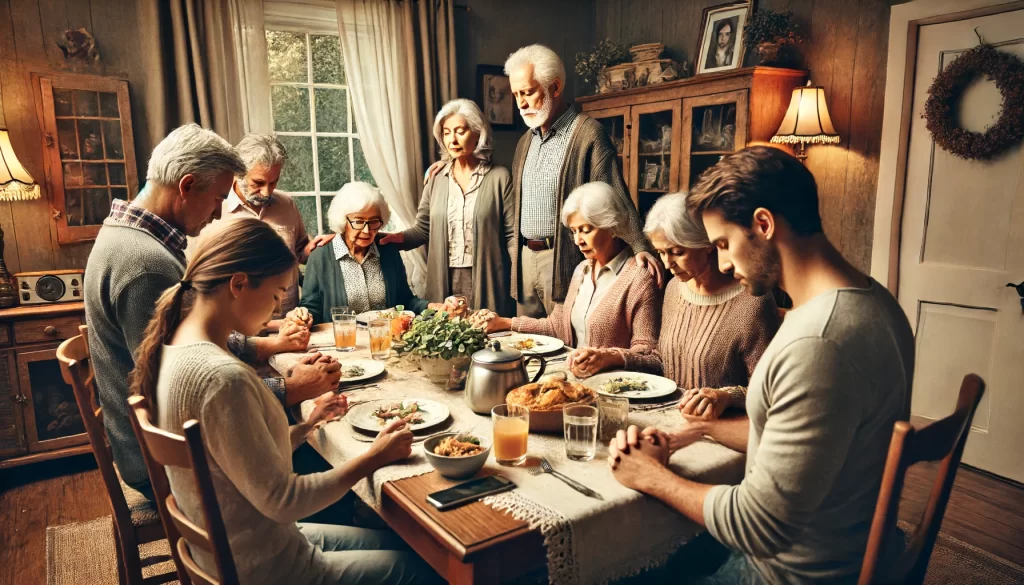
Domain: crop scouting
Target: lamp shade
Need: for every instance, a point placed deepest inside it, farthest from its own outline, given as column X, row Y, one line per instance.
column 807, row 121
column 16, row 183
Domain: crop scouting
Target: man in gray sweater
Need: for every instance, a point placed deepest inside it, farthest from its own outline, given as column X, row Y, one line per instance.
column 822, row 401
column 138, row 254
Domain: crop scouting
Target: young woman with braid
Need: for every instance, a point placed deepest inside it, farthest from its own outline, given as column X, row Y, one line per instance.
column 713, row 332
column 234, row 282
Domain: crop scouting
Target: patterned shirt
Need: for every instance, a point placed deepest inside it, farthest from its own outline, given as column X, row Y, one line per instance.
column 541, row 170
column 126, row 214
column 364, row 283
column 592, row 290
column 461, row 209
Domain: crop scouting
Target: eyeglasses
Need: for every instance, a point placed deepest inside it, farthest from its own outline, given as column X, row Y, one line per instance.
column 359, row 224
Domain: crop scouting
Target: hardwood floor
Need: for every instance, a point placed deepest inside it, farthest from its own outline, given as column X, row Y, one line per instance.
column 983, row 511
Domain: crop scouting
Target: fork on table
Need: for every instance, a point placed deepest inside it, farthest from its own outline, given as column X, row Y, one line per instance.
column 545, row 467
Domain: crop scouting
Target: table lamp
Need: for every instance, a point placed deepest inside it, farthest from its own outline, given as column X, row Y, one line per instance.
column 16, row 184
column 807, row 121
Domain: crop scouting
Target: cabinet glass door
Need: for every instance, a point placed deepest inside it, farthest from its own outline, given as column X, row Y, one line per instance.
column 655, row 146
column 52, row 418
column 616, row 125
column 716, row 125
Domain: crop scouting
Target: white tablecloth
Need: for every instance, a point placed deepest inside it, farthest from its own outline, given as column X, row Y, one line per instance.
column 588, row 541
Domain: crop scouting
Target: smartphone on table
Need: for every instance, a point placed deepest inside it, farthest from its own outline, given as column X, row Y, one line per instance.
column 469, row 491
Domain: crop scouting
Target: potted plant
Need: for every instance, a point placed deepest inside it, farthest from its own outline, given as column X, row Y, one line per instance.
column 441, row 342
column 767, row 31
column 589, row 66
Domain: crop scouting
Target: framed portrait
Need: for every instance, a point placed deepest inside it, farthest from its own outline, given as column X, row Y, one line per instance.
column 495, row 96
column 721, row 38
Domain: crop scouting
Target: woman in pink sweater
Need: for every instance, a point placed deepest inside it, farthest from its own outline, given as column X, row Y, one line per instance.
column 713, row 331
column 612, row 309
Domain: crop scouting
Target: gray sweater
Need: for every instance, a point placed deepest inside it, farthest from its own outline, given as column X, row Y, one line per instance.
column 247, row 441
column 822, row 403
column 128, row 270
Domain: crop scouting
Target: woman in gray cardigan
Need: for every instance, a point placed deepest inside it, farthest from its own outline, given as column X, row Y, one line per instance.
column 466, row 215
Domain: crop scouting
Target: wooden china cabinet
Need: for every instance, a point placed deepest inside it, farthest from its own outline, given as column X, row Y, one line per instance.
column 668, row 134
column 39, row 418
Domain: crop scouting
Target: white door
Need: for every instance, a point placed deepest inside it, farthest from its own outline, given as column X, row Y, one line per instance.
column 962, row 241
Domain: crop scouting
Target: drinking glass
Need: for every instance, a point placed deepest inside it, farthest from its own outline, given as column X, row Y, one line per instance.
column 380, row 338
column 511, row 432
column 613, row 416
column 344, row 330
column 580, row 432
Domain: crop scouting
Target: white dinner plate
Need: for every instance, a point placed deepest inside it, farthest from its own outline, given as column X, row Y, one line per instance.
column 657, row 386
column 364, row 318
column 542, row 343
column 370, row 368
column 361, row 415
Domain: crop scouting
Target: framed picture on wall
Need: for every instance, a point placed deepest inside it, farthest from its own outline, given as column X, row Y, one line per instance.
column 720, row 47
column 495, row 97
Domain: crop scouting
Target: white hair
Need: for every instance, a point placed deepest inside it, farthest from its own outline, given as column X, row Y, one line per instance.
column 261, row 150
column 353, row 198
column 547, row 65
column 670, row 217
column 191, row 150
column 474, row 118
column 599, row 205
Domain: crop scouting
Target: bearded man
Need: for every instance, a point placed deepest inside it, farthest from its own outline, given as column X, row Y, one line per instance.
column 562, row 150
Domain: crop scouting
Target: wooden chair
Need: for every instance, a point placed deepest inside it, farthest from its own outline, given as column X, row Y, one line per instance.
column 161, row 448
column 136, row 520
column 941, row 441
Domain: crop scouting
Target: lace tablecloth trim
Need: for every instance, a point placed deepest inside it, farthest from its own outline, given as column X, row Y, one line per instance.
column 556, row 529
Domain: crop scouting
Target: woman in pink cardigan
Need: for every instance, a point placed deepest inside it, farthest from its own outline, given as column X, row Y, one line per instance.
column 612, row 310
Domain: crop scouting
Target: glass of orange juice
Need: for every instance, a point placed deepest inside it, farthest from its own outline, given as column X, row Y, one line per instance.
column 380, row 338
column 344, row 322
column 511, row 431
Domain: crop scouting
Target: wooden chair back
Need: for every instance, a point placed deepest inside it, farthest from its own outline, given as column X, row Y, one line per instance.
column 76, row 369
column 161, row 448
column 941, row 441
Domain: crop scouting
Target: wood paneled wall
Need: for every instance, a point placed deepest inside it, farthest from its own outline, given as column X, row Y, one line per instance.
column 29, row 31
column 845, row 51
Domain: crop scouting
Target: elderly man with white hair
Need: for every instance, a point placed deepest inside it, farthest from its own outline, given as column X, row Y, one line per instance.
column 139, row 253
column 562, row 150
column 469, row 198
column 353, row 271
column 612, row 309
column 254, row 194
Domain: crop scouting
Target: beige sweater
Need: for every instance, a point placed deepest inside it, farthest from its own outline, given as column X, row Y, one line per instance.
column 627, row 317
column 714, row 341
column 247, row 441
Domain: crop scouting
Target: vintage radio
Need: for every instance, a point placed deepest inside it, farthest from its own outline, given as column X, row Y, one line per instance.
column 50, row 286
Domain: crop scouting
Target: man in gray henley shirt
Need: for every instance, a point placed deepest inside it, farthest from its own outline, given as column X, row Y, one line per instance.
column 822, row 401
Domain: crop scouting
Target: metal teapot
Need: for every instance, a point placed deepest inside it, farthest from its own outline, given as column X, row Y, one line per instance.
column 493, row 372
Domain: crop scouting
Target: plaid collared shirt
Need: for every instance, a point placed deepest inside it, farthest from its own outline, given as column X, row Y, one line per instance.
column 125, row 214
column 541, row 170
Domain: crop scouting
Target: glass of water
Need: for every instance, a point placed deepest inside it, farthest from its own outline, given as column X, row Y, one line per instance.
column 613, row 415
column 580, row 432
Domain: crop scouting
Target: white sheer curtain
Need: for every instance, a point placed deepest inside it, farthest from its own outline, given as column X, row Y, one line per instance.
column 392, row 50
column 250, row 45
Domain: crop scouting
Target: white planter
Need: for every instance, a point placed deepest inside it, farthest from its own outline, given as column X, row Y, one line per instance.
column 438, row 370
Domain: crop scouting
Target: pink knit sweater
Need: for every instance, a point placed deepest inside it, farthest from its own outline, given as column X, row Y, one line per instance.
column 628, row 317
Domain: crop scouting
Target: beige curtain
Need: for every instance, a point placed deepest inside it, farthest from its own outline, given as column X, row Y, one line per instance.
column 199, row 73
column 400, row 61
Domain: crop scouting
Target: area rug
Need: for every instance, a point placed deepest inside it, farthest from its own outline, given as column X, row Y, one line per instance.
column 83, row 554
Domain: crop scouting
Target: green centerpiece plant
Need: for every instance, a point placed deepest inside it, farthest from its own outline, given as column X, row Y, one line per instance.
column 441, row 341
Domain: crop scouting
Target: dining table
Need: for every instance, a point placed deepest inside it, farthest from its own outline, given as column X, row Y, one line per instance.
column 542, row 531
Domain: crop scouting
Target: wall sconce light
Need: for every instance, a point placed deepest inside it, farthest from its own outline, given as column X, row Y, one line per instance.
column 16, row 184
column 807, row 121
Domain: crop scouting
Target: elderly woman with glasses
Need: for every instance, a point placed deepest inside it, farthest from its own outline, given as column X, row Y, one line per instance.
column 466, row 216
column 612, row 309
column 352, row 270
column 713, row 331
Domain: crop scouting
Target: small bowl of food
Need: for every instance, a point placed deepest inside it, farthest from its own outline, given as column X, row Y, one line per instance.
column 457, row 455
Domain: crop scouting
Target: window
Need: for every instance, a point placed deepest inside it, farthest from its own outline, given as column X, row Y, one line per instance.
column 312, row 115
